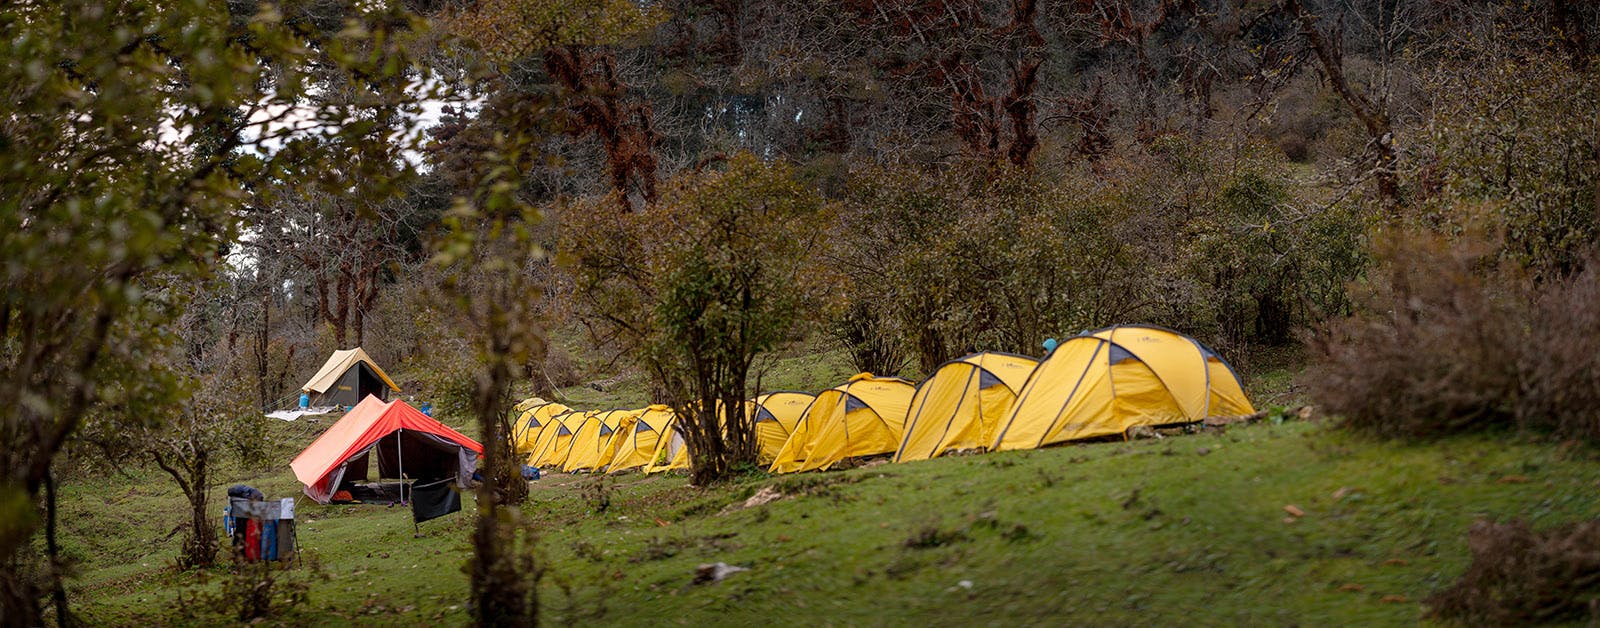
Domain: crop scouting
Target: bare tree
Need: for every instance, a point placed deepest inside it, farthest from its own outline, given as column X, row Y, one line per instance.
column 1371, row 105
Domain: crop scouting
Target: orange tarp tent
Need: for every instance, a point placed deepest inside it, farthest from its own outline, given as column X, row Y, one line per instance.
column 405, row 439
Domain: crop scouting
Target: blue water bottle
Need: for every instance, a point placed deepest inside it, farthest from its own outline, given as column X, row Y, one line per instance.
column 305, row 400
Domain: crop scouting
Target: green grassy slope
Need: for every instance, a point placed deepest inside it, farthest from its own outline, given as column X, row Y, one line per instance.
column 1185, row 529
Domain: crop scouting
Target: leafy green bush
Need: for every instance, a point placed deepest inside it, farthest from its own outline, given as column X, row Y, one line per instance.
column 718, row 272
column 1220, row 241
column 447, row 379
column 1515, row 133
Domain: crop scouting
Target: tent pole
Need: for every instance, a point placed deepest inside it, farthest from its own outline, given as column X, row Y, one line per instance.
column 400, row 463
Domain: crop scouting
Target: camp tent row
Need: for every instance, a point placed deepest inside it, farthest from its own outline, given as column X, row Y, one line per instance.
column 594, row 440
column 647, row 439
column 1101, row 383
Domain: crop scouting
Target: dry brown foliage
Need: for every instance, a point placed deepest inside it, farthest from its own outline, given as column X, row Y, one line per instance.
column 1520, row 576
column 1447, row 341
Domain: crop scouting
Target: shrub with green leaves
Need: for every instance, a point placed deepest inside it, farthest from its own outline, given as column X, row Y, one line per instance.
column 722, row 269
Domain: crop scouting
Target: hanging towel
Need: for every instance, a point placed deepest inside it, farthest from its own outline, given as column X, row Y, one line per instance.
column 285, row 539
column 269, row 539
column 252, row 540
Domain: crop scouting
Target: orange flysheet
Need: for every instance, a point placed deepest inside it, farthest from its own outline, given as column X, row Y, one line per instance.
column 367, row 423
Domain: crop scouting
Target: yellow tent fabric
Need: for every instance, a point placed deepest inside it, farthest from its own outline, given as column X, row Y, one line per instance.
column 1111, row 380
column 636, row 447
column 1174, row 358
column 862, row 417
column 672, row 452
column 775, row 415
column 961, row 404
column 532, row 419
column 592, row 443
column 337, row 364
column 1227, row 395
column 555, row 440
column 519, row 427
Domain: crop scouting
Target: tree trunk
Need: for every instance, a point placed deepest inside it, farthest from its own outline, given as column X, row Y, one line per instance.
column 200, row 548
column 19, row 595
column 503, row 573
column 709, row 463
column 58, row 588
column 597, row 102
column 1372, row 116
column 1570, row 29
column 263, row 341
column 1020, row 107
column 189, row 468
column 930, row 348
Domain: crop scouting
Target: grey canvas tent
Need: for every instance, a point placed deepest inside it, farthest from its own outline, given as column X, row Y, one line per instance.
column 346, row 378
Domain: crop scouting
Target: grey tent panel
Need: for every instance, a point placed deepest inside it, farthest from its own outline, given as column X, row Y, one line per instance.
column 1119, row 354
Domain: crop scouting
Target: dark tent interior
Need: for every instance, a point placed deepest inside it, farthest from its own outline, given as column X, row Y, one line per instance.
column 408, row 455
column 354, row 385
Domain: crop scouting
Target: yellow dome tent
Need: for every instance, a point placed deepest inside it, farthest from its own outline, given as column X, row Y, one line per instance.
column 636, row 446
column 672, row 452
column 775, row 415
column 862, row 417
column 1108, row 381
column 592, row 443
column 532, row 415
column 961, row 405
column 555, row 440
column 527, row 404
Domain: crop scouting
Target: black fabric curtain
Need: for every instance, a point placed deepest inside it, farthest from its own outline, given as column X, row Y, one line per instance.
column 433, row 500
